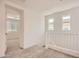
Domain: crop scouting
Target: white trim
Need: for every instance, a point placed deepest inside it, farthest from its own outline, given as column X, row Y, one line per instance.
column 35, row 45
column 65, row 50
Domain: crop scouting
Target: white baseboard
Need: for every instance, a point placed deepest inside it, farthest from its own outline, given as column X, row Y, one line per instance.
column 65, row 50
column 35, row 45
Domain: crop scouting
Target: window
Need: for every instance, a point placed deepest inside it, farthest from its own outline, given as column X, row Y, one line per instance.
column 12, row 24
column 66, row 23
column 51, row 24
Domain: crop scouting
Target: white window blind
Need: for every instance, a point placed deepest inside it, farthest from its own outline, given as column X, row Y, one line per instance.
column 51, row 24
column 66, row 23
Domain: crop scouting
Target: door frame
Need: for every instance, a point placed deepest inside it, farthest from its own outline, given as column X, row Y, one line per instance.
column 21, row 23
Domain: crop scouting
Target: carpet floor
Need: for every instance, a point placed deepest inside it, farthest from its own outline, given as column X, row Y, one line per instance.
column 35, row 52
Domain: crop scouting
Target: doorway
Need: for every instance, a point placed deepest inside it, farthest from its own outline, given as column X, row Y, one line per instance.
column 14, row 28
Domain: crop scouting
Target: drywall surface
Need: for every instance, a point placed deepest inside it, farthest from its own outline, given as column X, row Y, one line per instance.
column 2, row 29
column 69, row 40
column 33, row 28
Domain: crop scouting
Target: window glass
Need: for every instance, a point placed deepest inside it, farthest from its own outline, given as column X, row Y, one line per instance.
column 51, row 24
column 66, row 23
column 12, row 24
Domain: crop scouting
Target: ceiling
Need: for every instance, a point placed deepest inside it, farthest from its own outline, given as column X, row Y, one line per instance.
column 43, row 5
column 22, row 2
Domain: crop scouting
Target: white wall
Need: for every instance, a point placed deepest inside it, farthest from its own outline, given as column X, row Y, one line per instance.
column 2, row 29
column 67, row 40
column 33, row 28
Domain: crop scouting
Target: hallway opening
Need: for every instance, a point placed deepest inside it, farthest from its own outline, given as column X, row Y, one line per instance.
column 14, row 28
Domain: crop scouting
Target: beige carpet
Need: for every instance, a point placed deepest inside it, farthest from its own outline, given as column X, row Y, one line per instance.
column 35, row 52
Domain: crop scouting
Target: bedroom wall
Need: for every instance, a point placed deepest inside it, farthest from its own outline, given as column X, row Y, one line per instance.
column 2, row 29
column 33, row 28
column 67, row 40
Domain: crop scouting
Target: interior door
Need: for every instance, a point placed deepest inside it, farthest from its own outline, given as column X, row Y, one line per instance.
column 13, row 28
